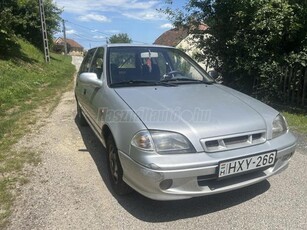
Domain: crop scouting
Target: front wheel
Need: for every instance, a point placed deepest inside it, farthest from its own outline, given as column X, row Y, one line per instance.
column 115, row 169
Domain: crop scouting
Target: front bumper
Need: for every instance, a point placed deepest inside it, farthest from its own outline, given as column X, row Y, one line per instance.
column 184, row 183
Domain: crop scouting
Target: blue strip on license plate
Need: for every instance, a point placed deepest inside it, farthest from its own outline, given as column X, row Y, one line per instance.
column 232, row 167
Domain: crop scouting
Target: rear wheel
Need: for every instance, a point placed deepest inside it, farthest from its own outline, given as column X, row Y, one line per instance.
column 81, row 119
column 115, row 169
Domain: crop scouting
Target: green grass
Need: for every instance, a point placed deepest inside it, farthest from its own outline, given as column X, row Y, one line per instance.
column 27, row 86
column 297, row 121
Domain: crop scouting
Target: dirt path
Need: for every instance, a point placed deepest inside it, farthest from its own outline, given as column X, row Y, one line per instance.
column 65, row 190
column 70, row 190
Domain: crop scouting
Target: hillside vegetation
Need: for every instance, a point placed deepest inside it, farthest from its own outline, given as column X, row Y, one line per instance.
column 28, row 86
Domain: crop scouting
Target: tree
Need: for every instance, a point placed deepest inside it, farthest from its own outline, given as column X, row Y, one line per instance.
column 22, row 18
column 29, row 25
column 7, row 19
column 120, row 38
column 251, row 41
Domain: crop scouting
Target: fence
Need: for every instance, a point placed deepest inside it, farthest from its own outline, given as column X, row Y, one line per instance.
column 294, row 85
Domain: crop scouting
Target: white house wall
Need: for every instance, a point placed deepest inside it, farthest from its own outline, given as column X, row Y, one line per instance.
column 189, row 46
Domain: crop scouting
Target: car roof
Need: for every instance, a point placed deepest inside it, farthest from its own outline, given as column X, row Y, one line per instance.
column 135, row 45
column 131, row 45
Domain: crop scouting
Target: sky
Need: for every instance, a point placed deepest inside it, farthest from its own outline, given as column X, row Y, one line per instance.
column 92, row 22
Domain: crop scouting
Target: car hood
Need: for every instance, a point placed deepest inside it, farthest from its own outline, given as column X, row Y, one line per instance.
column 197, row 110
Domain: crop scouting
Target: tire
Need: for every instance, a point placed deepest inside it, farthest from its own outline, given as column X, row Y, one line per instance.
column 80, row 117
column 115, row 169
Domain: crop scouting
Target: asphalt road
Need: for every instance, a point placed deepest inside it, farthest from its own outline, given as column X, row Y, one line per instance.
column 70, row 190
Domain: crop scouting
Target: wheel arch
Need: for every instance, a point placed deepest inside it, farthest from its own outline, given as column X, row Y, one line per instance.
column 106, row 132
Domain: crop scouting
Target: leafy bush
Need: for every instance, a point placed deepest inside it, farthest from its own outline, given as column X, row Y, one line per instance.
column 258, row 45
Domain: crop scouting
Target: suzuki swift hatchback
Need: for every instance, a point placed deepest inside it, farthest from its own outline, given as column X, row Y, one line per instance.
column 171, row 132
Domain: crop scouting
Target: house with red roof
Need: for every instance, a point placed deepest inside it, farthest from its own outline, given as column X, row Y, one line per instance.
column 73, row 47
column 181, row 38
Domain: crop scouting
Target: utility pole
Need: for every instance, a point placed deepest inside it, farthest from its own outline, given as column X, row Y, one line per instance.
column 64, row 33
column 44, row 30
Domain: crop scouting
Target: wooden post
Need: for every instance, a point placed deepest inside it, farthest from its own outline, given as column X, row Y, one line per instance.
column 285, row 82
column 304, row 87
column 289, row 85
column 65, row 41
column 293, row 98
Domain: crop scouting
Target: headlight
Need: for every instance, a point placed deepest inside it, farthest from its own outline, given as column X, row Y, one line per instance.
column 279, row 126
column 163, row 142
column 169, row 142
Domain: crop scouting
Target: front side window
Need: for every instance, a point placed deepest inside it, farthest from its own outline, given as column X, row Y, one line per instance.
column 85, row 67
column 97, row 63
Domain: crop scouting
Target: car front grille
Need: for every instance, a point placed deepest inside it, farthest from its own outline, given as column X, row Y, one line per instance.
column 233, row 141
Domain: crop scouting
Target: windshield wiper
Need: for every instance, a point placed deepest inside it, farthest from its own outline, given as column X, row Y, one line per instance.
column 185, row 80
column 140, row 83
column 131, row 82
column 164, row 83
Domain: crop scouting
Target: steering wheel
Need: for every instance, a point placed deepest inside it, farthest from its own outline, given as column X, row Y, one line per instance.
column 171, row 74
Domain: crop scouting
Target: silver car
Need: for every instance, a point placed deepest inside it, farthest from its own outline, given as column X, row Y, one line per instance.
column 171, row 132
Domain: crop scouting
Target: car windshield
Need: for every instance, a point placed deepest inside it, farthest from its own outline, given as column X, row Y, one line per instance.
column 143, row 66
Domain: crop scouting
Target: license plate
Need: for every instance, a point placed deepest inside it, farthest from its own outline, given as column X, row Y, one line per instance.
column 232, row 167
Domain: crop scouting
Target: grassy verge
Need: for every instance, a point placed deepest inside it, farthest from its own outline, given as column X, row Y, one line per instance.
column 295, row 116
column 297, row 121
column 26, row 84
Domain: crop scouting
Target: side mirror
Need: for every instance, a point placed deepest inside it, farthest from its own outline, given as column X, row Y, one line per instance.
column 216, row 76
column 90, row 79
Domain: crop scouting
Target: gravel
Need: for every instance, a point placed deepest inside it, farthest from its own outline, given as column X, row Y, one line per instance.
column 70, row 190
